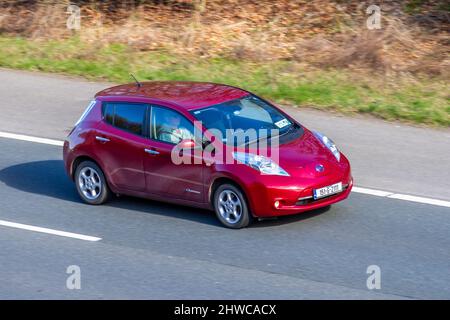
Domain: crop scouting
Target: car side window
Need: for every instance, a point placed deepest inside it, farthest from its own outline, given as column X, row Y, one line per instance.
column 170, row 126
column 126, row 116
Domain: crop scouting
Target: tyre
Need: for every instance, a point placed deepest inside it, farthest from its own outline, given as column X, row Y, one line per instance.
column 91, row 183
column 231, row 207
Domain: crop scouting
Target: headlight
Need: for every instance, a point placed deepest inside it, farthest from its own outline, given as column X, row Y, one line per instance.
column 329, row 144
column 260, row 163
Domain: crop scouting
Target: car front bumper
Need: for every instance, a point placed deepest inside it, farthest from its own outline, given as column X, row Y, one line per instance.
column 293, row 198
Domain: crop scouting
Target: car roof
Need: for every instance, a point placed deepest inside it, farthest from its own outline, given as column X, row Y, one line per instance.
column 185, row 94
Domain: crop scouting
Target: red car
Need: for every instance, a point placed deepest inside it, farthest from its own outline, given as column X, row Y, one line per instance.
column 131, row 138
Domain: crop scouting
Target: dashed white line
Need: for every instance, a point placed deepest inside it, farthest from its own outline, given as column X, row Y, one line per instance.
column 373, row 192
column 48, row 231
column 30, row 138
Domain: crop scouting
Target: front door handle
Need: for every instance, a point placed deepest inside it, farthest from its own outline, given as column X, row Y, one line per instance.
column 101, row 139
column 152, row 152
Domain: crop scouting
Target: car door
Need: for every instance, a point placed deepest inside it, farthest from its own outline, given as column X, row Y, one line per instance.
column 120, row 143
column 163, row 176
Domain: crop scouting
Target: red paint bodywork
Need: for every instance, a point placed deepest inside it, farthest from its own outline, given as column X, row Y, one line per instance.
column 129, row 170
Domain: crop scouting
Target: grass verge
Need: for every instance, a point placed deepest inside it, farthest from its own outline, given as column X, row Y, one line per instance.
column 421, row 100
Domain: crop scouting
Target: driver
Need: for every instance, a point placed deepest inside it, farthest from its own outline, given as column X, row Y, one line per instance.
column 171, row 131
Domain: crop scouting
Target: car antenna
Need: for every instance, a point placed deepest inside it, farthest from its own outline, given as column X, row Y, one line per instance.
column 136, row 80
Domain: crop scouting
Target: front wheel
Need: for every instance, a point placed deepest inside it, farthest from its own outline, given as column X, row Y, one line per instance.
column 91, row 183
column 231, row 207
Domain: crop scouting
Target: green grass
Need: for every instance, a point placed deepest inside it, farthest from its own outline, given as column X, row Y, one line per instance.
column 420, row 100
column 413, row 6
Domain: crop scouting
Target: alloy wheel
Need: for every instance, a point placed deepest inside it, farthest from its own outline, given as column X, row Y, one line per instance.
column 230, row 206
column 90, row 183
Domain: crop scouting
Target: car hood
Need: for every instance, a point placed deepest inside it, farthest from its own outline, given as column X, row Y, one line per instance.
column 308, row 157
column 301, row 156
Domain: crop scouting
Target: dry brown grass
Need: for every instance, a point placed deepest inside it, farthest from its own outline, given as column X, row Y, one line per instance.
column 396, row 47
column 317, row 33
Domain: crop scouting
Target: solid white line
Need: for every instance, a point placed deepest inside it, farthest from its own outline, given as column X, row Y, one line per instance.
column 372, row 192
column 48, row 231
column 30, row 138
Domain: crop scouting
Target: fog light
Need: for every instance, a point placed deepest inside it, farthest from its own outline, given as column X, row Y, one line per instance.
column 276, row 204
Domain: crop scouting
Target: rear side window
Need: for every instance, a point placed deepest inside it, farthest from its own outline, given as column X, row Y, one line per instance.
column 125, row 116
column 108, row 113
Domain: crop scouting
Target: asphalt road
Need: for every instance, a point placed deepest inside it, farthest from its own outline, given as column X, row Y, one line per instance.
column 152, row 250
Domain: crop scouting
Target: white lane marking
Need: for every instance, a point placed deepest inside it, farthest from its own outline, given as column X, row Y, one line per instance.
column 434, row 202
column 373, row 192
column 399, row 196
column 30, row 138
column 48, row 231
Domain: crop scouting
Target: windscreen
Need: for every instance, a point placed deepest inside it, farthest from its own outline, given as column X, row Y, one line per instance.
column 248, row 113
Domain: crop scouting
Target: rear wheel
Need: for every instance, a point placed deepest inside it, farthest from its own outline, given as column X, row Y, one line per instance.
column 91, row 183
column 231, row 207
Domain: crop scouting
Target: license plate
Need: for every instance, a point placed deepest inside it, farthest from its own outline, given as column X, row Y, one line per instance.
column 328, row 190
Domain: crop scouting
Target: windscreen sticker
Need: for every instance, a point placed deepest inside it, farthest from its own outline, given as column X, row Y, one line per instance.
column 282, row 123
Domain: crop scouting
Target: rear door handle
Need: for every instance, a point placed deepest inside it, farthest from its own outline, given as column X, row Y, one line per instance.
column 101, row 139
column 152, row 152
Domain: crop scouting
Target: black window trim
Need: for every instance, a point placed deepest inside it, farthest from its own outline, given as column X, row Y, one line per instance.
column 145, row 124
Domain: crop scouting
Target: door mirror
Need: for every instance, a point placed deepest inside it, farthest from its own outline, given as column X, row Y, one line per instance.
column 189, row 144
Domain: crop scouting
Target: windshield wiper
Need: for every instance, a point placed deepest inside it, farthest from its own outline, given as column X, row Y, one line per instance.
column 268, row 137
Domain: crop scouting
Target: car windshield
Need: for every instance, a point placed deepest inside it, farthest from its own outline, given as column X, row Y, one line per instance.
column 250, row 115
